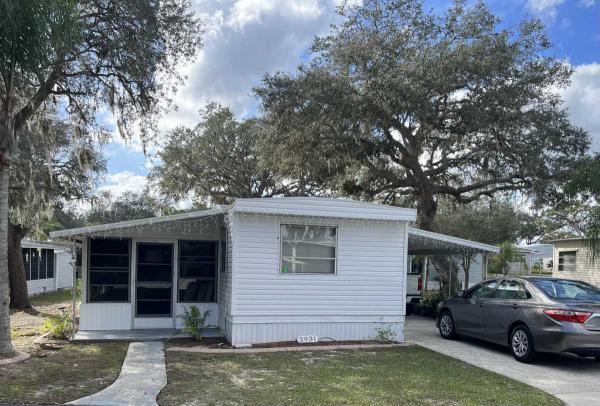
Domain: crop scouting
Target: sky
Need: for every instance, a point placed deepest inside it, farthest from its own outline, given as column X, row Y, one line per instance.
column 245, row 39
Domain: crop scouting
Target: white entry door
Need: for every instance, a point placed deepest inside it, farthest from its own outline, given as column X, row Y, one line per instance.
column 153, row 285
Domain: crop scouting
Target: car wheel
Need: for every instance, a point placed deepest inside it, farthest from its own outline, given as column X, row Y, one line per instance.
column 446, row 325
column 521, row 344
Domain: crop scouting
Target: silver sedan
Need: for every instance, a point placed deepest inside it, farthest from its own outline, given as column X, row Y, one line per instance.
column 529, row 315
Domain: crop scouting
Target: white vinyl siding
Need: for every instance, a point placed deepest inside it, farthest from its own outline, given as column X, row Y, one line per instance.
column 585, row 269
column 368, row 287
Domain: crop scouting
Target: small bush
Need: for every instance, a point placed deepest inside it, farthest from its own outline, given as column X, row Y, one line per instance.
column 194, row 321
column 429, row 304
column 59, row 325
column 385, row 334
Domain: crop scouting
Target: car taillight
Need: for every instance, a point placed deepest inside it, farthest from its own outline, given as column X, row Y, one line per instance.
column 420, row 283
column 568, row 315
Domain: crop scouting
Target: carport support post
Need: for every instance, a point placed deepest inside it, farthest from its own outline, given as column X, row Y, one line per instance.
column 74, row 290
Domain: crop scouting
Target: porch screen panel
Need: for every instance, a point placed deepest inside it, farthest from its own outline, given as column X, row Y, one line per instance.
column 109, row 270
column 27, row 262
column 50, row 263
column 197, row 282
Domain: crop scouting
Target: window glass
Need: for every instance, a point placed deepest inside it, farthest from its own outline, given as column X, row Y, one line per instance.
column 197, row 271
column 567, row 261
column 308, row 249
column 108, row 270
column 484, row 289
column 511, row 290
column 561, row 289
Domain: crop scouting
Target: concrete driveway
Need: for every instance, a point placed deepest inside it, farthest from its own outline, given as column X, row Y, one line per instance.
column 573, row 379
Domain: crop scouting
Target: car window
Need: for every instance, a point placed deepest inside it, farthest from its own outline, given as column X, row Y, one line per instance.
column 510, row 290
column 562, row 289
column 484, row 289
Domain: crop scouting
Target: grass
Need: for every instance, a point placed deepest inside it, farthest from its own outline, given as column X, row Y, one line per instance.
column 27, row 325
column 75, row 371
column 402, row 375
column 57, row 376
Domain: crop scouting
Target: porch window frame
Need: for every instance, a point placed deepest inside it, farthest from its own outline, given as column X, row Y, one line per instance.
column 301, row 224
column 89, row 271
column 217, row 270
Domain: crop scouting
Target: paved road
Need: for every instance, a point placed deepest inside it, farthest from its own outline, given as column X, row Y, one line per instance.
column 573, row 379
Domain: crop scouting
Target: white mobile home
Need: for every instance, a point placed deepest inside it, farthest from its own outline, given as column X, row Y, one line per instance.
column 47, row 266
column 268, row 269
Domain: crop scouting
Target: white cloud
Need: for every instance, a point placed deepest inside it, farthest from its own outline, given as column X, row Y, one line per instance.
column 245, row 39
column 121, row 182
column 544, row 8
column 587, row 3
column 582, row 98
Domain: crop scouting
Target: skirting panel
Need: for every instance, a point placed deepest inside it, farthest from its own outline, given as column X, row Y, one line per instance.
column 105, row 316
column 256, row 333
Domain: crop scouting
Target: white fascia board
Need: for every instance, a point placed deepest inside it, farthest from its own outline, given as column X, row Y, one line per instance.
column 81, row 231
column 454, row 240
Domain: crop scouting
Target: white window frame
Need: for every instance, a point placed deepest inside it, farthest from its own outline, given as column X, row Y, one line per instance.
column 335, row 259
column 561, row 267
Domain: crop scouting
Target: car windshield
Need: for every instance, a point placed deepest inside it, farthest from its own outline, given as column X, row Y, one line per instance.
column 561, row 289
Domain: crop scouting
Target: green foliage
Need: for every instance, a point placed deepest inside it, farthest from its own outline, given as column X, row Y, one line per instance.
column 429, row 303
column 385, row 334
column 218, row 160
column 194, row 321
column 499, row 263
column 400, row 101
column 59, row 326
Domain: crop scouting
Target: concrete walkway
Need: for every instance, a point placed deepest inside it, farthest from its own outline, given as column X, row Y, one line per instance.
column 142, row 376
column 572, row 379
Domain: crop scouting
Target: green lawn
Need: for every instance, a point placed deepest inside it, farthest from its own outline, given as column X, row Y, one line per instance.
column 63, row 296
column 404, row 375
column 75, row 371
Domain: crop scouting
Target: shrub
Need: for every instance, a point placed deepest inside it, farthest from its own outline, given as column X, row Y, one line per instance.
column 429, row 304
column 194, row 321
column 385, row 334
column 59, row 325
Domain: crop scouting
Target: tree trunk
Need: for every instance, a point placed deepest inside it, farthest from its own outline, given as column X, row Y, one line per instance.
column 19, row 298
column 6, row 346
column 426, row 209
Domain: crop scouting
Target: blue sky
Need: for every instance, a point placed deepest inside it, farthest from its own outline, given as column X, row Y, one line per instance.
column 246, row 38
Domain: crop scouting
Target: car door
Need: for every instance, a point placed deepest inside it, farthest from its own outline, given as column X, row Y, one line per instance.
column 503, row 308
column 468, row 310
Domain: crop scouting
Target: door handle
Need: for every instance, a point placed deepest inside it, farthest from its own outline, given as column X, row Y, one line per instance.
column 515, row 306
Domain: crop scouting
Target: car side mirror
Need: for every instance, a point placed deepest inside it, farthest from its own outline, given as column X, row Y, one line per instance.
column 464, row 294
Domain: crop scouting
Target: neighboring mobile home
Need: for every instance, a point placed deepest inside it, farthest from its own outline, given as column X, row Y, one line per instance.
column 573, row 260
column 47, row 266
column 268, row 269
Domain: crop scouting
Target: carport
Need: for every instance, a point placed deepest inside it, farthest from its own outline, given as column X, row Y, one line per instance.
column 428, row 244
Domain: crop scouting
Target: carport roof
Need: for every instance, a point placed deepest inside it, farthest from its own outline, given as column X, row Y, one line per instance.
column 421, row 242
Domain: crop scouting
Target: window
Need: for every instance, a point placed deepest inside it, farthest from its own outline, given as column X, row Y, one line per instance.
column 197, row 271
column 511, row 290
column 560, row 289
column 483, row 290
column 308, row 249
column 38, row 263
column 109, row 270
column 567, row 260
